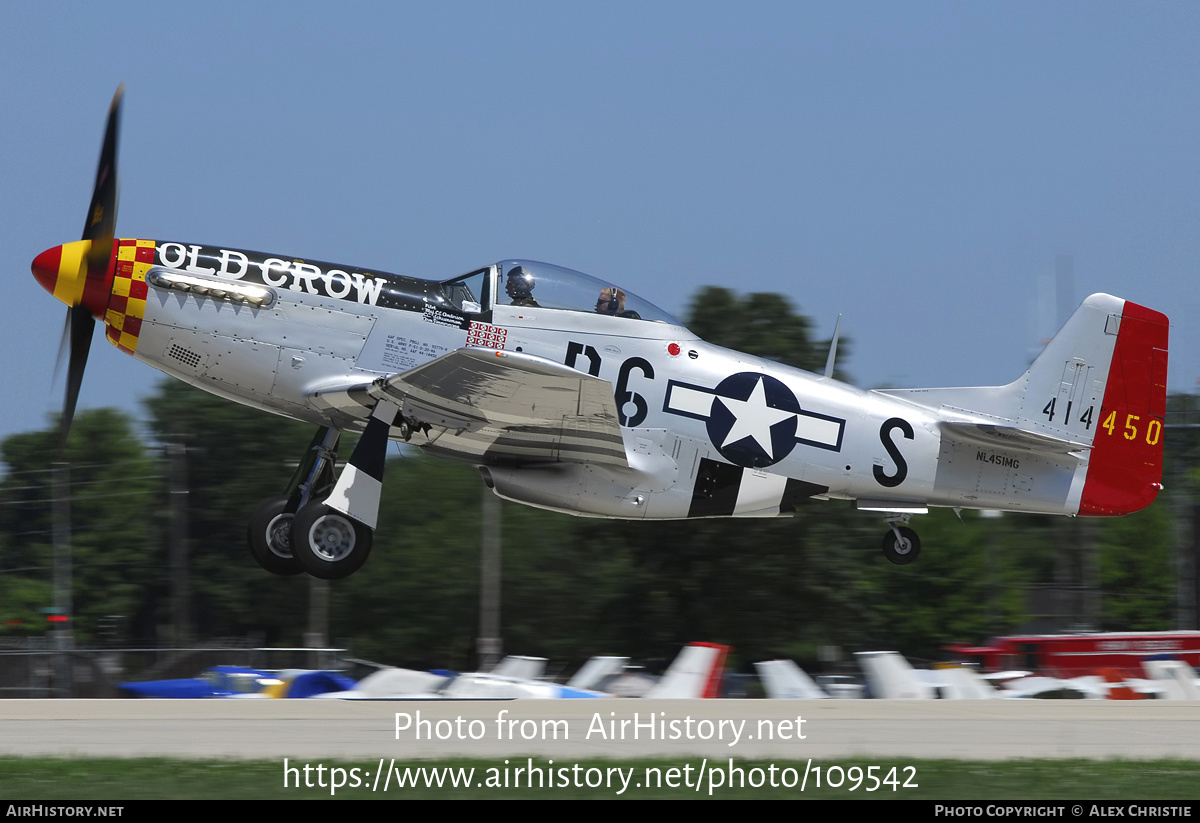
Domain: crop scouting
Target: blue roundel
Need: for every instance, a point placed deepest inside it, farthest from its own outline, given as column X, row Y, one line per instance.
column 753, row 419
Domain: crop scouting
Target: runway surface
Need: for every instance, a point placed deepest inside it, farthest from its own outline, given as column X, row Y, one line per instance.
column 772, row 729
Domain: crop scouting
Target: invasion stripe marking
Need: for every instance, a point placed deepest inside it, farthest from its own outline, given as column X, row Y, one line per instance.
column 757, row 486
column 725, row 490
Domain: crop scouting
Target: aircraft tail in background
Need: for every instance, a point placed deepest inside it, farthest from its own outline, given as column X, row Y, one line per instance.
column 696, row 672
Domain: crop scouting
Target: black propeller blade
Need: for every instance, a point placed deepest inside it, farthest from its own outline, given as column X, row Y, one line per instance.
column 82, row 326
column 102, row 212
column 100, row 228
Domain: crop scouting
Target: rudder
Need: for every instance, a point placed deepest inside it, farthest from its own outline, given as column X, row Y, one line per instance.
column 1125, row 465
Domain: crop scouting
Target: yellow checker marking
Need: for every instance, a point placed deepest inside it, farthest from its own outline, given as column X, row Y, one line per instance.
column 135, row 307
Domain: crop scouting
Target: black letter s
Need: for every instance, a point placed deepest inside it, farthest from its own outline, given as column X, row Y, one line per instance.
column 885, row 432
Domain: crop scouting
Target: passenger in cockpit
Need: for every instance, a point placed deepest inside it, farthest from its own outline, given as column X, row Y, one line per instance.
column 612, row 301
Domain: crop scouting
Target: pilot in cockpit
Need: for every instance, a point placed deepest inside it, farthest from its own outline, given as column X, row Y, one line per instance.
column 520, row 287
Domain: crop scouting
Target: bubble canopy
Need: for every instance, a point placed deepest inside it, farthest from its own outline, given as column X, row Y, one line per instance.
column 543, row 285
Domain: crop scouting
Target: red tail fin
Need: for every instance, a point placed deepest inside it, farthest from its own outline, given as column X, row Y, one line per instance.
column 1125, row 467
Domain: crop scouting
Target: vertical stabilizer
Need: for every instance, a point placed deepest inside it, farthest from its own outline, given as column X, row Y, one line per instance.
column 1125, row 467
column 784, row 680
column 521, row 667
column 1098, row 390
column 696, row 672
column 890, row 677
column 596, row 669
column 959, row 683
column 1176, row 678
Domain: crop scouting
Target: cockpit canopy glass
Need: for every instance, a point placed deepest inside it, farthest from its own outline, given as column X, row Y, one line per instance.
column 468, row 293
column 543, row 285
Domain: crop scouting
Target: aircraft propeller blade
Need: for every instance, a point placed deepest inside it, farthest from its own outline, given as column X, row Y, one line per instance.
column 99, row 228
column 63, row 343
column 81, row 324
column 102, row 212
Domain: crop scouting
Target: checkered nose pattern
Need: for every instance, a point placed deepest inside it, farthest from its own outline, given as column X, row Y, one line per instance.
column 127, row 303
column 117, row 295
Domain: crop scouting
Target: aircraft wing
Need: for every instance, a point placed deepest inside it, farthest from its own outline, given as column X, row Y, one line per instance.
column 504, row 407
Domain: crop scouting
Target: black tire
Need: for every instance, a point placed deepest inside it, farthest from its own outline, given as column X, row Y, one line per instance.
column 269, row 536
column 903, row 551
column 328, row 544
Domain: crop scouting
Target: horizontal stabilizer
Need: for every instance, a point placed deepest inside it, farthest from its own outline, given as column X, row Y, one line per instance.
column 1010, row 437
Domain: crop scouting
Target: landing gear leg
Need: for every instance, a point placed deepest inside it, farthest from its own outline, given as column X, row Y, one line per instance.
column 332, row 533
column 270, row 531
column 901, row 544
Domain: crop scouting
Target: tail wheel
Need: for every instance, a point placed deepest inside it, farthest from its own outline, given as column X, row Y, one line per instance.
column 901, row 545
column 328, row 544
column 270, row 537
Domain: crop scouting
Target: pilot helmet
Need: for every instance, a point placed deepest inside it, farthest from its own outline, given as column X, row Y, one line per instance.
column 520, row 283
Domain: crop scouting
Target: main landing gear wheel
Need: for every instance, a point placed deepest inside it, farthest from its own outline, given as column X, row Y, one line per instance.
column 901, row 545
column 270, row 537
column 327, row 543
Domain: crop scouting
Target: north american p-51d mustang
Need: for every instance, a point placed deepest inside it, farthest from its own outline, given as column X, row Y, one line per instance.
column 570, row 393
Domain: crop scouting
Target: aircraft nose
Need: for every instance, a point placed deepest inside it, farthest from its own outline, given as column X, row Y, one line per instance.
column 45, row 268
column 63, row 271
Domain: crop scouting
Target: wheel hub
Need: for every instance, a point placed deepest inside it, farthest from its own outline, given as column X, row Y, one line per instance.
column 332, row 538
column 279, row 536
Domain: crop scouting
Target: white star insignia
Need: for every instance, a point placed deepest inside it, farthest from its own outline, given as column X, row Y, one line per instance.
column 753, row 418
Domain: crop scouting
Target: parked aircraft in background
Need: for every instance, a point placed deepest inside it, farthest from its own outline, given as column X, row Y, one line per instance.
column 219, row 681
column 890, row 676
column 596, row 670
column 571, row 393
column 384, row 683
column 695, row 672
column 784, row 680
column 239, row 681
column 1174, row 679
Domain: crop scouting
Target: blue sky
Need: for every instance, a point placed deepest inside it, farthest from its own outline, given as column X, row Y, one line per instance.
column 917, row 167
